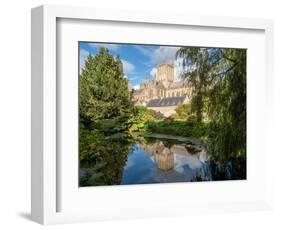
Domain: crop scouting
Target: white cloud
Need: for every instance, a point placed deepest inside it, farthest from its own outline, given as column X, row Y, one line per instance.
column 144, row 50
column 164, row 54
column 83, row 55
column 133, row 78
column 111, row 47
column 128, row 67
column 178, row 68
column 153, row 71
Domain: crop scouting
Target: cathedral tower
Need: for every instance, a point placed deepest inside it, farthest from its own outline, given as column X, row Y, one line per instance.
column 165, row 74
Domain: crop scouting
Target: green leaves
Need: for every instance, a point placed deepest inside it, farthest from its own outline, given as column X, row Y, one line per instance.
column 104, row 92
column 105, row 111
column 102, row 158
column 198, row 65
column 218, row 80
column 140, row 116
column 183, row 111
column 178, row 128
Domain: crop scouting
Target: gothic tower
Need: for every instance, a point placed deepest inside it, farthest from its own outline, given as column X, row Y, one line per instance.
column 165, row 74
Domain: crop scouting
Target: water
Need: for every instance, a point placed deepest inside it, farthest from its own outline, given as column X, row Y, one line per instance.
column 156, row 163
column 157, row 160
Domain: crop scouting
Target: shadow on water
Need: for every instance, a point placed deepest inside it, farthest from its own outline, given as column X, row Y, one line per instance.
column 153, row 160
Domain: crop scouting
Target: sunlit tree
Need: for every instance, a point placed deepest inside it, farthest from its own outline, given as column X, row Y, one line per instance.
column 104, row 94
column 218, row 80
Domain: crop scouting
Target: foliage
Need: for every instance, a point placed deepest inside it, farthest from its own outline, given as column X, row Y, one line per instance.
column 101, row 160
column 183, row 111
column 105, row 112
column 227, row 107
column 178, row 128
column 218, row 80
column 104, row 95
column 140, row 116
column 168, row 120
column 191, row 118
column 197, row 73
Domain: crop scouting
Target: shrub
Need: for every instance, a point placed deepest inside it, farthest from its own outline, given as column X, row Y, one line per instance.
column 178, row 128
column 183, row 110
column 191, row 118
column 140, row 116
column 168, row 120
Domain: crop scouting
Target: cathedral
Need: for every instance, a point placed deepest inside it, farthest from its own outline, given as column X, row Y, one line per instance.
column 163, row 94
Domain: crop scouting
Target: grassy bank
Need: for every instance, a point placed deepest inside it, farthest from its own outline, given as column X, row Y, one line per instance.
column 177, row 127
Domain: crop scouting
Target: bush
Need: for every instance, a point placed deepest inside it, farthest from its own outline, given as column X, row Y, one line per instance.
column 168, row 120
column 191, row 118
column 178, row 128
column 140, row 116
column 159, row 116
column 182, row 111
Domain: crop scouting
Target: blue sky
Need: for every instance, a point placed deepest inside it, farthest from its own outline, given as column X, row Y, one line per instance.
column 139, row 61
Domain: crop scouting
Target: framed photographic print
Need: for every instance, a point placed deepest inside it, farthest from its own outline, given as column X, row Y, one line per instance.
column 158, row 114
column 138, row 108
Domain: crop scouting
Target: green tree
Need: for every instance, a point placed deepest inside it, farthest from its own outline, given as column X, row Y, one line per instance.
column 199, row 65
column 227, row 105
column 120, row 64
column 218, row 80
column 183, row 111
column 141, row 115
column 104, row 96
column 105, row 111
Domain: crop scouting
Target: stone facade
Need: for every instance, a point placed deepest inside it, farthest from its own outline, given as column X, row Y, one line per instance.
column 163, row 94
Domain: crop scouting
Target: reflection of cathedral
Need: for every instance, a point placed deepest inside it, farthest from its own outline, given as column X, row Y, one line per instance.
column 163, row 94
column 163, row 156
column 165, row 159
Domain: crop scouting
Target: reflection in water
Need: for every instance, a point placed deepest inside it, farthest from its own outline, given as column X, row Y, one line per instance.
column 101, row 160
column 165, row 159
column 159, row 161
column 163, row 156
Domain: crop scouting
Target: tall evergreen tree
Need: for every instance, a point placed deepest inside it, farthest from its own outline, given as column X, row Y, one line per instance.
column 104, row 95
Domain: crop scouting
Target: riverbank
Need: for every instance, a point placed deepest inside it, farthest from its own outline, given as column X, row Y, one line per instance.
column 181, row 128
column 187, row 140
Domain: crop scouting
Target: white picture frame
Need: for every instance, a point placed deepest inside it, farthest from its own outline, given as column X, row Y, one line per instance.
column 45, row 168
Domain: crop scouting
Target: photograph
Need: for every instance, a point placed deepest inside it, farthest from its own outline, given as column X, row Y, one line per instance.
column 151, row 114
